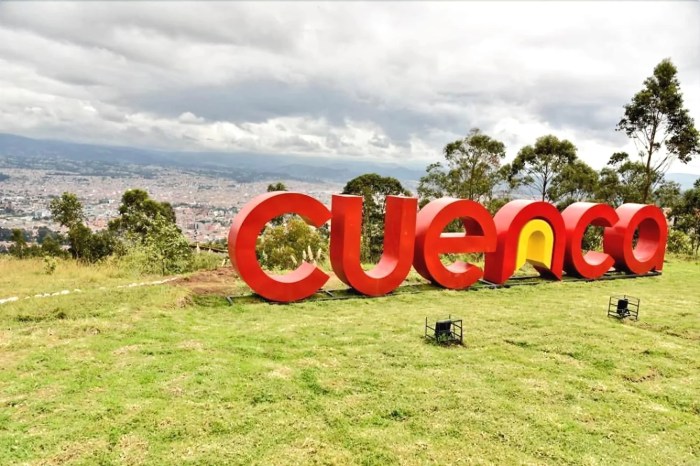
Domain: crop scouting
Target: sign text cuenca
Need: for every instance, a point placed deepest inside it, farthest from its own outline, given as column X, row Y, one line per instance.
column 521, row 231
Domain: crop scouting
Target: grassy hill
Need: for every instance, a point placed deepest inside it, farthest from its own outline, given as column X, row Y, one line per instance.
column 153, row 375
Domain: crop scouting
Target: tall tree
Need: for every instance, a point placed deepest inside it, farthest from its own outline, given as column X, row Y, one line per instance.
column 374, row 188
column 575, row 182
column 84, row 244
column 19, row 248
column 660, row 126
column 470, row 170
column 138, row 212
column 67, row 210
column 623, row 180
column 147, row 228
column 539, row 165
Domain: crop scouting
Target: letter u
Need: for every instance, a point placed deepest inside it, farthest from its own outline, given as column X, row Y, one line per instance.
column 399, row 237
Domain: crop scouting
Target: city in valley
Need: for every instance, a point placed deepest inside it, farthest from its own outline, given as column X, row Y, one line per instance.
column 204, row 203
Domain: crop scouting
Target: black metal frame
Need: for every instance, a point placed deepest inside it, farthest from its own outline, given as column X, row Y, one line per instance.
column 623, row 306
column 445, row 331
column 344, row 294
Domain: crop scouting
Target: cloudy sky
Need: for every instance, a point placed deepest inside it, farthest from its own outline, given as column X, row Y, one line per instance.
column 382, row 81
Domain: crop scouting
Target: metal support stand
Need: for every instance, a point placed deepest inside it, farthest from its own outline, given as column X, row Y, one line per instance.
column 445, row 331
column 622, row 307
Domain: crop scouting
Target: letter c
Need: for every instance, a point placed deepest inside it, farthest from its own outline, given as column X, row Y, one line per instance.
column 577, row 217
column 301, row 283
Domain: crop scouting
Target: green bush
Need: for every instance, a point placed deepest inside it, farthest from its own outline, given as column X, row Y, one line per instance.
column 139, row 259
column 88, row 246
column 592, row 239
column 163, row 251
column 284, row 247
column 678, row 242
column 206, row 260
column 49, row 265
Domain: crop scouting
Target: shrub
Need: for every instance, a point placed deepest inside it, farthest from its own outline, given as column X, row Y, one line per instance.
column 285, row 246
column 678, row 242
column 164, row 250
column 206, row 260
column 49, row 265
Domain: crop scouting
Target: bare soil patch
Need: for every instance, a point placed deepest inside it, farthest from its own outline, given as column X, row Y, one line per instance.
column 222, row 281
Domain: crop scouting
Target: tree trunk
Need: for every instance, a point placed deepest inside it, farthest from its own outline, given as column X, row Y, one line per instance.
column 647, row 172
column 647, row 179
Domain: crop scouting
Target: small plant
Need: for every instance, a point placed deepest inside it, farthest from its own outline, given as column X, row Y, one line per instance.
column 49, row 265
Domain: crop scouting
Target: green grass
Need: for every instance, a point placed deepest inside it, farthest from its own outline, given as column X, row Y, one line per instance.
column 28, row 277
column 152, row 375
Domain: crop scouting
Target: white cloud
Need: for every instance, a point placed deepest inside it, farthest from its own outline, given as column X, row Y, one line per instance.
column 390, row 81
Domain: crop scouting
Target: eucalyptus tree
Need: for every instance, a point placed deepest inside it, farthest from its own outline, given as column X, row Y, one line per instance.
column 660, row 126
column 538, row 166
column 470, row 170
column 374, row 189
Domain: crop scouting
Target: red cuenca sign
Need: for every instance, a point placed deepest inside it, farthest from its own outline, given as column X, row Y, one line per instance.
column 521, row 231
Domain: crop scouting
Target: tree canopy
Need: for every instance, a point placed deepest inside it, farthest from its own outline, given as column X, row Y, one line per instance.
column 84, row 244
column 470, row 170
column 138, row 212
column 538, row 166
column 374, row 189
column 576, row 182
column 660, row 125
column 67, row 210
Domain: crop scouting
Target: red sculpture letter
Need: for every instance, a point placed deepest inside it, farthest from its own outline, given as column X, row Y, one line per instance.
column 577, row 217
column 399, row 233
column 510, row 220
column 480, row 236
column 307, row 279
column 651, row 244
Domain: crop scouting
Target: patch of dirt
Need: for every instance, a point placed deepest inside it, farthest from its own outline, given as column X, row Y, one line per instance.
column 76, row 451
column 126, row 349
column 132, row 449
column 222, row 281
column 648, row 375
column 281, row 372
column 192, row 345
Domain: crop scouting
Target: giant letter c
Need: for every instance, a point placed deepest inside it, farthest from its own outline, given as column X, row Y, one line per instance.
column 301, row 283
column 577, row 217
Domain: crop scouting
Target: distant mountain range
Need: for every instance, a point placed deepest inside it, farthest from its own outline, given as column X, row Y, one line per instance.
column 53, row 155
column 91, row 159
